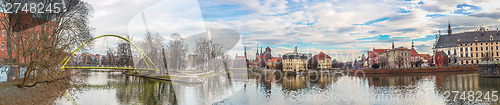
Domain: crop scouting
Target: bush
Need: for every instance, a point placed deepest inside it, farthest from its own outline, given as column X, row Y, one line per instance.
column 375, row 66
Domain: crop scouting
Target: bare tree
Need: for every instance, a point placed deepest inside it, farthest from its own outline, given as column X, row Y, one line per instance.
column 110, row 57
column 177, row 52
column 383, row 61
column 400, row 61
column 208, row 52
column 313, row 63
column 124, row 55
column 151, row 45
column 486, row 57
column 41, row 40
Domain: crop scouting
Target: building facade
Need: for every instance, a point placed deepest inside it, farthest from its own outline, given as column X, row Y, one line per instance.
column 294, row 61
column 23, row 26
column 469, row 47
column 324, row 61
column 373, row 55
column 441, row 59
column 396, row 58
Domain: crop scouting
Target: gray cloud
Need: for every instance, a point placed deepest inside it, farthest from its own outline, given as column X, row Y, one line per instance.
column 492, row 15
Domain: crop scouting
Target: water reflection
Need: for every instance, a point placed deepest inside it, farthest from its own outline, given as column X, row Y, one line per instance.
column 8, row 72
column 272, row 87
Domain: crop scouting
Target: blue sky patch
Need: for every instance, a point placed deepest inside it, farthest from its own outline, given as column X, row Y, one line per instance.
column 426, row 38
column 435, row 15
column 222, row 12
column 466, row 9
column 373, row 21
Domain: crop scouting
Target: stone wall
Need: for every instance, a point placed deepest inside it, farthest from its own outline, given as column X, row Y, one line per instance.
column 489, row 70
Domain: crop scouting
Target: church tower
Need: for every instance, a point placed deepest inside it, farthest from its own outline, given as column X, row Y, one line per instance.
column 412, row 46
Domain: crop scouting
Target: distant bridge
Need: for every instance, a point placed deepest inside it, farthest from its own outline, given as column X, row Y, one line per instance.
column 65, row 61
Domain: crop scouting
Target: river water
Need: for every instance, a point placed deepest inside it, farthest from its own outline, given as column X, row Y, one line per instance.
column 270, row 87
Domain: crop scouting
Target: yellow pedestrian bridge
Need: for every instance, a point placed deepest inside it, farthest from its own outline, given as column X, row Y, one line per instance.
column 144, row 56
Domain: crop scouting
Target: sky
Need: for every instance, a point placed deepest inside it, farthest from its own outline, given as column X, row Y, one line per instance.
column 344, row 29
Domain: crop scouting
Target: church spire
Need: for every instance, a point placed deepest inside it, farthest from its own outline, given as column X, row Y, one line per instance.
column 260, row 50
column 412, row 46
column 245, row 48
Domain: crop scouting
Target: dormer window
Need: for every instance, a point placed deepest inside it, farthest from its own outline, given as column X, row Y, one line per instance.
column 475, row 39
column 491, row 37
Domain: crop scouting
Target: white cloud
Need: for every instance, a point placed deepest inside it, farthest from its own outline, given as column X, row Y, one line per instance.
column 327, row 24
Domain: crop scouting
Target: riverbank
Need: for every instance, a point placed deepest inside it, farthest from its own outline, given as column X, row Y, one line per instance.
column 417, row 70
column 163, row 78
column 178, row 77
column 42, row 92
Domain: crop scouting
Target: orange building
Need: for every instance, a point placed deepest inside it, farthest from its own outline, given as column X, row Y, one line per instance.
column 24, row 30
column 441, row 59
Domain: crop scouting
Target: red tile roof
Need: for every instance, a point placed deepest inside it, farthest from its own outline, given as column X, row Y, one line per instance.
column 321, row 55
column 378, row 51
column 413, row 52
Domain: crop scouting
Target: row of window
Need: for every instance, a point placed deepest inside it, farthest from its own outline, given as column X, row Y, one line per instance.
column 470, row 44
column 15, row 34
column 477, row 54
column 477, row 48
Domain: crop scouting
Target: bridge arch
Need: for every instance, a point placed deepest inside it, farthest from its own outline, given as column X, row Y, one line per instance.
column 65, row 61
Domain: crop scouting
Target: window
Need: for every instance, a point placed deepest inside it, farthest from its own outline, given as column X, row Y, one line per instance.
column 2, row 46
column 3, row 32
column 481, row 48
column 481, row 43
column 38, row 36
column 477, row 55
column 476, row 49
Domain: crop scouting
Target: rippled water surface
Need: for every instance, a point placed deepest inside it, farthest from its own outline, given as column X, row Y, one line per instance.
column 270, row 87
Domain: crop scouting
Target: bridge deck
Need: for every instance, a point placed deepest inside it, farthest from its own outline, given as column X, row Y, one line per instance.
column 120, row 68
